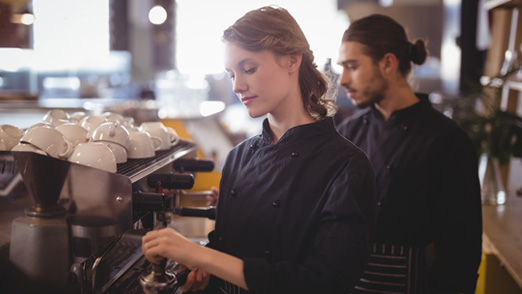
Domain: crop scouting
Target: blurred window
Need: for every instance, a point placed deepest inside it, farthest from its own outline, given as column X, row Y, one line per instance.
column 66, row 32
column 200, row 25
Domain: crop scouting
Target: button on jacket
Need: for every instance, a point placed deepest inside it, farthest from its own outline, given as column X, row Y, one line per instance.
column 427, row 188
column 299, row 213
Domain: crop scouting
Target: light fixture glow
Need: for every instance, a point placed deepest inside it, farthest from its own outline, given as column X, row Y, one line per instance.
column 28, row 19
column 23, row 18
column 157, row 15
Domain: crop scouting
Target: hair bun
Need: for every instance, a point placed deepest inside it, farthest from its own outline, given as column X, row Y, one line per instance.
column 419, row 52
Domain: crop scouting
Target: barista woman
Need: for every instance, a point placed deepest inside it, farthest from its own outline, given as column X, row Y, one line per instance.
column 296, row 204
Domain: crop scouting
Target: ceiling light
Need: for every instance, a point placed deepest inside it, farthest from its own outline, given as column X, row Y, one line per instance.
column 157, row 15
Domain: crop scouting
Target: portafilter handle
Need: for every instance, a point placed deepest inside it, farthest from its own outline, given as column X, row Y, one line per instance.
column 150, row 201
column 193, row 165
column 208, row 212
column 171, row 181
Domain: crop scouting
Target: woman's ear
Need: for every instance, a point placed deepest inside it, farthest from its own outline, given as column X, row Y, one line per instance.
column 294, row 61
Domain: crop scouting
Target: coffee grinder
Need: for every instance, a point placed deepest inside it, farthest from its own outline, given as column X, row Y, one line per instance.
column 39, row 250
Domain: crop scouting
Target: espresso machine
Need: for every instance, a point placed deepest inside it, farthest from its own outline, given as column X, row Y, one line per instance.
column 83, row 232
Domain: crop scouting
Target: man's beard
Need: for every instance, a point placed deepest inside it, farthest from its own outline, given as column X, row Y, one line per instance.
column 374, row 94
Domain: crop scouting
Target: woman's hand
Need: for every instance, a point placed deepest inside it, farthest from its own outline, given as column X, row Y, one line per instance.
column 167, row 243
column 196, row 280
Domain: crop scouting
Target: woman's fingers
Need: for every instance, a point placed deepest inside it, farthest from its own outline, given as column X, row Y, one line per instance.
column 169, row 244
column 189, row 283
column 202, row 278
column 196, row 280
column 155, row 244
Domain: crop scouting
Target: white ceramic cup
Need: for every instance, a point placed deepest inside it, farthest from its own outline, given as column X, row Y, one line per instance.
column 142, row 145
column 77, row 116
column 56, row 117
column 94, row 154
column 168, row 135
column 11, row 136
column 40, row 124
column 112, row 132
column 151, row 125
column 49, row 140
column 133, row 129
column 173, row 135
column 128, row 122
column 26, row 147
column 113, row 116
column 120, row 153
column 76, row 134
column 91, row 122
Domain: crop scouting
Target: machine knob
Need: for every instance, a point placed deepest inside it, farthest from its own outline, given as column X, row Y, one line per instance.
column 149, row 201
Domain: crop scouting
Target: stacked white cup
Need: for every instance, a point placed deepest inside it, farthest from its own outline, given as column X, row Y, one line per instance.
column 9, row 137
column 56, row 117
column 91, row 122
column 100, row 141
column 76, row 134
column 94, row 154
column 49, row 140
column 114, row 136
column 142, row 145
column 166, row 135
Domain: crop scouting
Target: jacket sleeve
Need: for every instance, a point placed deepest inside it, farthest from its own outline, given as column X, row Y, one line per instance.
column 341, row 245
column 457, row 222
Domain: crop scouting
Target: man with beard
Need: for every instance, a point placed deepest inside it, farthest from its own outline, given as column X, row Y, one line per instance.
column 429, row 225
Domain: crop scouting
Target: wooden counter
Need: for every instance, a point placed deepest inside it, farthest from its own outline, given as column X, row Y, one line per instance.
column 502, row 227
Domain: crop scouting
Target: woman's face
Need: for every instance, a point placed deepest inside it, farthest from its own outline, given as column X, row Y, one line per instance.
column 261, row 81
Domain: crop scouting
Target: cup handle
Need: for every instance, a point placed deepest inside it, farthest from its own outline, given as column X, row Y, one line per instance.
column 156, row 141
column 67, row 151
column 173, row 136
column 112, row 129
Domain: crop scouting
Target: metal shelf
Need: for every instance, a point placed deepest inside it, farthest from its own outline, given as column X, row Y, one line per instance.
column 136, row 169
column 514, row 85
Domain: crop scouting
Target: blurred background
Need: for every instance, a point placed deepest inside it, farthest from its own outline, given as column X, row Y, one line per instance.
column 162, row 60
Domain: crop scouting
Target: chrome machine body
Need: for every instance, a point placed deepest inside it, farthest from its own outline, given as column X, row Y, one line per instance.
column 80, row 235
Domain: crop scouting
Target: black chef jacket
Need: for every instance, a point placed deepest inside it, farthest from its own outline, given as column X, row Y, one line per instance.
column 300, row 213
column 427, row 188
